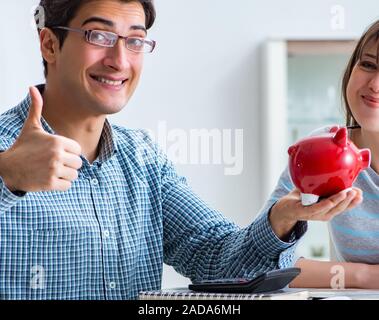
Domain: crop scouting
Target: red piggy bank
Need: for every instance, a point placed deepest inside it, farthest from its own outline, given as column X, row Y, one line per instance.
column 323, row 165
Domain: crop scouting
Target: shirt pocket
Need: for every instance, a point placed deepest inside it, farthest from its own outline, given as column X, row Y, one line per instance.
column 64, row 263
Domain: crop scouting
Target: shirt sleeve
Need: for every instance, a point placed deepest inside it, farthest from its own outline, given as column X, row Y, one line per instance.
column 8, row 199
column 288, row 257
column 201, row 243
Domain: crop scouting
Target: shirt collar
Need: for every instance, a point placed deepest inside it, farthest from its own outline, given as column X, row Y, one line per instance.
column 108, row 143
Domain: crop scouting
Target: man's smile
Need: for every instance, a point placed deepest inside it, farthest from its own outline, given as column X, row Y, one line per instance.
column 110, row 82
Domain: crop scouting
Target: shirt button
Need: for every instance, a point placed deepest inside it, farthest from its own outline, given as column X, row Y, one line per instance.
column 106, row 233
column 112, row 285
column 95, row 182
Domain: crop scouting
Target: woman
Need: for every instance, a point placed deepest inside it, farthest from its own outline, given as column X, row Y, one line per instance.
column 355, row 233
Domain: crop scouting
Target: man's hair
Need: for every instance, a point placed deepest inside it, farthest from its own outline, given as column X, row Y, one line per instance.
column 61, row 12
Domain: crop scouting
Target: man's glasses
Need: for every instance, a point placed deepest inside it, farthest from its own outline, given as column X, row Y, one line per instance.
column 109, row 39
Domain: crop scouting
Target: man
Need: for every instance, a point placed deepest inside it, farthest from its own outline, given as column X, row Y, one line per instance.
column 89, row 210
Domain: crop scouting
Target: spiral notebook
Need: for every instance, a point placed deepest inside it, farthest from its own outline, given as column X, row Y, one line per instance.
column 185, row 294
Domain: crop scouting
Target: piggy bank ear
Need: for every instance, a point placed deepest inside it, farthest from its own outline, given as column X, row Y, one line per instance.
column 334, row 129
column 292, row 150
column 340, row 138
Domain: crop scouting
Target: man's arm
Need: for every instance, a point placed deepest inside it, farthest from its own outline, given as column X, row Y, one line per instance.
column 202, row 244
column 329, row 274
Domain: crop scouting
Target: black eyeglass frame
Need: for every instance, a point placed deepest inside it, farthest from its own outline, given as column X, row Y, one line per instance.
column 87, row 35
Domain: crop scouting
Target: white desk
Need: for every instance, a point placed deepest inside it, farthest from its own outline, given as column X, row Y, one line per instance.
column 339, row 294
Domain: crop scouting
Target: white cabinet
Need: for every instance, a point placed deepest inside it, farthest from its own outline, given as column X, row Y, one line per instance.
column 301, row 82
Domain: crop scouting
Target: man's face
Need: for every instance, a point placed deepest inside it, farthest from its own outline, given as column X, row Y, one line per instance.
column 91, row 74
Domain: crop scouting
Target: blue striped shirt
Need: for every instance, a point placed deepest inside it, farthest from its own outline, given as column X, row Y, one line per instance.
column 126, row 214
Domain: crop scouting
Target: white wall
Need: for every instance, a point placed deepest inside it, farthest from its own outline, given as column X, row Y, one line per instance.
column 205, row 73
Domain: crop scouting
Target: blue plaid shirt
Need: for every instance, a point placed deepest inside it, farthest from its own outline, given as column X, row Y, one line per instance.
column 126, row 214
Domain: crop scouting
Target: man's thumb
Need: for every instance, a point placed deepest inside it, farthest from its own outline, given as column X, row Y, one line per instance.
column 35, row 109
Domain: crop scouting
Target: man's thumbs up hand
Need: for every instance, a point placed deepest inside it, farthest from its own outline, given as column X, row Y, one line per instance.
column 39, row 161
